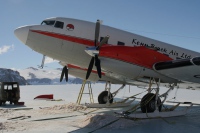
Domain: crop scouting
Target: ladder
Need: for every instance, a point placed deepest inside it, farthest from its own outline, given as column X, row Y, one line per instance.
column 82, row 90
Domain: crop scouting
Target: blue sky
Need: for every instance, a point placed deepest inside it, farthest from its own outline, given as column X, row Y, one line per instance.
column 173, row 21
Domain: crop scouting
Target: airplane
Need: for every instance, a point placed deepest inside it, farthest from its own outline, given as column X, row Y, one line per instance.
column 120, row 57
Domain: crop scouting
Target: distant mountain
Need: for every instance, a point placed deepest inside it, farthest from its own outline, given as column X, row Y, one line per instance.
column 36, row 76
column 8, row 75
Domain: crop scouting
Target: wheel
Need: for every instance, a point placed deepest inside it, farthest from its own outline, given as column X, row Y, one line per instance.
column 148, row 105
column 0, row 102
column 11, row 102
column 103, row 97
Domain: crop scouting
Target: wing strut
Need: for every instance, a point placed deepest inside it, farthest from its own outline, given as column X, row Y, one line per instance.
column 42, row 64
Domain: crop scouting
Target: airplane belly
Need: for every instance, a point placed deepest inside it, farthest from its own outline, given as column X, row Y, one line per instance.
column 132, row 71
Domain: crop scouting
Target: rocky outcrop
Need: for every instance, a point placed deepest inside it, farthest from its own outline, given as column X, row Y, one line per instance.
column 8, row 75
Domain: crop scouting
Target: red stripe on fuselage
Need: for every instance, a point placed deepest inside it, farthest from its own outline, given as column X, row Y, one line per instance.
column 67, row 37
column 141, row 56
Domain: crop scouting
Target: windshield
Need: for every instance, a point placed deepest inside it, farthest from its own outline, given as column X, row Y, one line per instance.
column 48, row 22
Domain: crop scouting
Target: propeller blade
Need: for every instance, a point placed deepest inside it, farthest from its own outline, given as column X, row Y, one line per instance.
column 97, row 30
column 105, row 39
column 64, row 72
column 90, row 68
column 98, row 65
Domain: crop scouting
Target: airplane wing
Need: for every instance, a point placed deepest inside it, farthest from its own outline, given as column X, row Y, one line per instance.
column 140, row 62
column 182, row 69
column 120, row 63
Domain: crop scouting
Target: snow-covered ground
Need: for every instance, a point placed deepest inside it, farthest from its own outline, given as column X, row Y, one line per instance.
column 76, row 117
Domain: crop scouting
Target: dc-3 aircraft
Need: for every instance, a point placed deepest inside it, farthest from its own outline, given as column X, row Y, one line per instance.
column 120, row 57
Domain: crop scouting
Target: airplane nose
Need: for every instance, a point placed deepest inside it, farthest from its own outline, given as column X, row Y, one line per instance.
column 22, row 33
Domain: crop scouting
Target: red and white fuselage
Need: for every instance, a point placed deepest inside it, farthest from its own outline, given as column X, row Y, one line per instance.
column 125, row 58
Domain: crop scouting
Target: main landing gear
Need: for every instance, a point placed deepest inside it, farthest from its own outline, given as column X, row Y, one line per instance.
column 151, row 105
column 106, row 96
column 148, row 103
column 105, row 99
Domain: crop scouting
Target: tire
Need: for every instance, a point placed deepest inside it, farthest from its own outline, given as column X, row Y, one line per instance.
column 0, row 102
column 102, row 98
column 11, row 102
column 149, row 106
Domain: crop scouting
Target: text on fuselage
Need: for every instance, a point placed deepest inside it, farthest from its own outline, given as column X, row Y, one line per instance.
column 163, row 50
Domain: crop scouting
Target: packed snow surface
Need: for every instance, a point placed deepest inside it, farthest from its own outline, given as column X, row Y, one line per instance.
column 64, row 115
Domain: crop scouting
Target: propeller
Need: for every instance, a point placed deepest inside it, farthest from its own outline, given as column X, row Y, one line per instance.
column 90, row 68
column 98, row 65
column 97, row 30
column 105, row 39
column 93, row 51
column 64, row 73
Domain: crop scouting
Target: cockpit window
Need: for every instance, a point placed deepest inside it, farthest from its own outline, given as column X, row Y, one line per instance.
column 48, row 22
column 59, row 24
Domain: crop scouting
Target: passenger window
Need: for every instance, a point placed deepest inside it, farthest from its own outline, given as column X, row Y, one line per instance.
column 120, row 43
column 59, row 24
column 101, row 38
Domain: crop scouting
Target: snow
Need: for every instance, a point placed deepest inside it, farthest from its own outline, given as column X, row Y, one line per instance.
column 78, row 118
